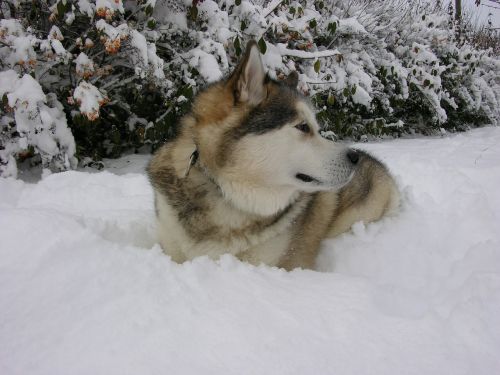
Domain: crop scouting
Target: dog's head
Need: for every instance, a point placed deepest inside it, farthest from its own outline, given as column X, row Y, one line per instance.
column 259, row 140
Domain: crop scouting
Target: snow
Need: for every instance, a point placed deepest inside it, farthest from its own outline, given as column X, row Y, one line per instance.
column 22, row 47
column 162, row 11
column 26, row 93
column 39, row 121
column 59, row 49
column 115, row 5
column 89, row 99
column 206, row 64
column 112, row 32
column 84, row 65
column 272, row 59
column 138, row 41
column 86, row 7
column 85, row 290
column 55, row 33
column 361, row 97
column 351, row 26
column 141, row 58
column 157, row 65
column 8, row 81
column 210, row 11
column 273, row 4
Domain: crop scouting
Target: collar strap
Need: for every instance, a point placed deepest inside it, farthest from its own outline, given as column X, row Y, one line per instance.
column 192, row 161
column 194, row 158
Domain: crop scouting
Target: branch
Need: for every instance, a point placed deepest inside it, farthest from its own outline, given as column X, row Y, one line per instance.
column 304, row 54
column 271, row 7
column 319, row 82
column 163, row 115
column 489, row 6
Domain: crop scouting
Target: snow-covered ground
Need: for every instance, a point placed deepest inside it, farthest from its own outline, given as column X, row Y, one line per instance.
column 85, row 290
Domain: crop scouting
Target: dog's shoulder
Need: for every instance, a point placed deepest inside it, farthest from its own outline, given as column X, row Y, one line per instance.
column 173, row 157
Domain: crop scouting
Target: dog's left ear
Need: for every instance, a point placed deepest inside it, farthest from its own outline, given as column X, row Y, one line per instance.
column 292, row 80
column 248, row 78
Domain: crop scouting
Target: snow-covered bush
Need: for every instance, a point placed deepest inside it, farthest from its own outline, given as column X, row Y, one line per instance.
column 32, row 123
column 125, row 71
column 79, row 63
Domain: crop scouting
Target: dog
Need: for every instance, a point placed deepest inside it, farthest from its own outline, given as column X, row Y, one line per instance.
column 249, row 174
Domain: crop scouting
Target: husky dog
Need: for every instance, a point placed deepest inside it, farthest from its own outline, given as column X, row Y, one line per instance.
column 249, row 174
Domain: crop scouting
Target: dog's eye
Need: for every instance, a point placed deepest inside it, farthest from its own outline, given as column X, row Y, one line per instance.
column 304, row 128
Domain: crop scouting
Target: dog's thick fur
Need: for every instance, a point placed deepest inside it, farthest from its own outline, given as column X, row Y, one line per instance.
column 249, row 174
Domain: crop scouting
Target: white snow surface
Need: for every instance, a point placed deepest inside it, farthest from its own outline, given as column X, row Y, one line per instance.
column 84, row 289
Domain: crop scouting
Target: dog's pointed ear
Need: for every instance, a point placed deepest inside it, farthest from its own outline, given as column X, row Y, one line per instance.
column 292, row 80
column 248, row 79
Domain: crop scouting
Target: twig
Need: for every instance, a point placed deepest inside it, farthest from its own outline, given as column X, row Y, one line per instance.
column 164, row 114
column 304, row 54
column 271, row 7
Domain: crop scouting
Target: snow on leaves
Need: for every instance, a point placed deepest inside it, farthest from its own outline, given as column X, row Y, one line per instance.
column 40, row 125
column 84, row 66
column 366, row 67
column 89, row 99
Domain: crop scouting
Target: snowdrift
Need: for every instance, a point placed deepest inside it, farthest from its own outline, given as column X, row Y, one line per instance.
column 84, row 289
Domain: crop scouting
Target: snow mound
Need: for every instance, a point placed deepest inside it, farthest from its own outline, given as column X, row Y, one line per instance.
column 85, row 289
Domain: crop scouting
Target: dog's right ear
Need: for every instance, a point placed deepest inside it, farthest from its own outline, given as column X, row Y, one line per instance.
column 248, row 79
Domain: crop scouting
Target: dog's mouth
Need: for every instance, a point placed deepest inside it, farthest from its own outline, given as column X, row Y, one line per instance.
column 306, row 178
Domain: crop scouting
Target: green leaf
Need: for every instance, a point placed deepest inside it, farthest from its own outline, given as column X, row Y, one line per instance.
column 262, row 46
column 427, row 83
column 353, row 90
column 194, row 72
column 151, row 23
column 317, row 66
column 5, row 101
column 312, row 24
column 61, row 8
column 346, row 92
column 193, row 13
column 149, row 10
column 187, row 91
column 237, row 2
column 237, row 46
column 332, row 27
column 243, row 25
column 292, row 10
column 331, row 99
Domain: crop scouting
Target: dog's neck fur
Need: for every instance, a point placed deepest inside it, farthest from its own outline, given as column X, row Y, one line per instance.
column 214, row 216
column 259, row 201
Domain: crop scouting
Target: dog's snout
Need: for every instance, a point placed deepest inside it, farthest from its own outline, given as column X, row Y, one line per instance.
column 353, row 156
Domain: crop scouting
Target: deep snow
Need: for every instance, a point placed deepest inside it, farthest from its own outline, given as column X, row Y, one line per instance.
column 84, row 289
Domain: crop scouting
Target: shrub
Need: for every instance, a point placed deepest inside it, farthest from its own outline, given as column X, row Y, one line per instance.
column 119, row 74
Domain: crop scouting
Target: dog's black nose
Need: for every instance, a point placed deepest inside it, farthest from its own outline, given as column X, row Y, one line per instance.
column 353, row 156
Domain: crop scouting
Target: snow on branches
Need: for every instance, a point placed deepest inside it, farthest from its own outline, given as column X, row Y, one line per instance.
column 125, row 71
column 33, row 123
column 89, row 99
